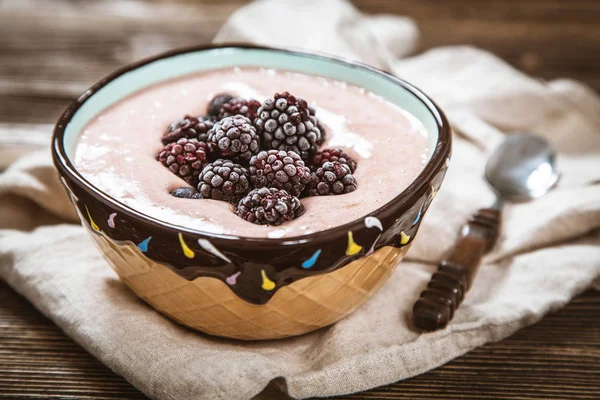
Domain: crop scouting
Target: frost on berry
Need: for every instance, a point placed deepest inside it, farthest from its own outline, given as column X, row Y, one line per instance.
column 234, row 137
column 269, row 206
column 286, row 123
column 223, row 180
column 184, row 158
column 279, row 169
column 330, row 179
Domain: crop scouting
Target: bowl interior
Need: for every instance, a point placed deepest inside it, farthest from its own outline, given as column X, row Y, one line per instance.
column 194, row 61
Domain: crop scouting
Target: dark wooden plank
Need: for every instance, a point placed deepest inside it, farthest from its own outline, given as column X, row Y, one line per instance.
column 48, row 56
column 549, row 39
column 38, row 361
column 58, row 53
column 557, row 358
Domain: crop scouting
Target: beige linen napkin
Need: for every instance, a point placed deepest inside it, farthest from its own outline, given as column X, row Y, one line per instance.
column 548, row 252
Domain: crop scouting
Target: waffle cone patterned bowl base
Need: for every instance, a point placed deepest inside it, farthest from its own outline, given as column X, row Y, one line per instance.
column 209, row 305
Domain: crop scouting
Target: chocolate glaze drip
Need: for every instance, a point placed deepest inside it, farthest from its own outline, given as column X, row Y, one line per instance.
column 250, row 259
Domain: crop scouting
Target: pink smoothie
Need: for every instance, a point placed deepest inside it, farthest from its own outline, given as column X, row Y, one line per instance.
column 117, row 149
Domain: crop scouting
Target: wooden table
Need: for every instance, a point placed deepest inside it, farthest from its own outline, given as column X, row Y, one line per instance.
column 50, row 52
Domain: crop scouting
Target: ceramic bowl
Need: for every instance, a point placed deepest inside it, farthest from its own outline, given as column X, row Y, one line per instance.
column 251, row 288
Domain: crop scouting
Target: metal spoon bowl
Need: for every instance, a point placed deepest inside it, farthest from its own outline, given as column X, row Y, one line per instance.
column 522, row 168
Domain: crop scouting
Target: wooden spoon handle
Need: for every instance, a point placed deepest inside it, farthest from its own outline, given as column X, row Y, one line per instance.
column 454, row 277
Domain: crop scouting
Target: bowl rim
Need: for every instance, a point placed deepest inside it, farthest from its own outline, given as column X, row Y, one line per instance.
column 398, row 204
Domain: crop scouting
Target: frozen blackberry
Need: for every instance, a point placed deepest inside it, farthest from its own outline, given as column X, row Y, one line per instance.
column 269, row 206
column 286, row 123
column 237, row 105
column 234, row 137
column 223, row 180
column 335, row 154
column 185, row 158
column 331, row 178
column 279, row 169
column 214, row 106
column 188, row 127
column 185, row 193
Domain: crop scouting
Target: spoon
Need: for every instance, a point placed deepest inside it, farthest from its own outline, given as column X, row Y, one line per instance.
column 522, row 168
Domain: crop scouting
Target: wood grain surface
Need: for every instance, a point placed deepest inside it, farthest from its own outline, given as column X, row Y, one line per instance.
column 52, row 50
column 558, row 358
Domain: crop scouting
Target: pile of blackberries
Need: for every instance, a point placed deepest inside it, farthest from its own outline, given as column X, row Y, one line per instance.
column 260, row 157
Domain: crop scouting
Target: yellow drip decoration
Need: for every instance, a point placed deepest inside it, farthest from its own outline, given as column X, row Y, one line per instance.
column 433, row 191
column 189, row 253
column 267, row 284
column 94, row 226
column 353, row 247
column 404, row 238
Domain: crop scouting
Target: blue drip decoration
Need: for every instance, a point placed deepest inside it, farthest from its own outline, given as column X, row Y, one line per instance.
column 143, row 246
column 312, row 260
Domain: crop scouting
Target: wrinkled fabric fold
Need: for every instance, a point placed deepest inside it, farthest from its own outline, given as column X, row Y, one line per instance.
column 548, row 251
